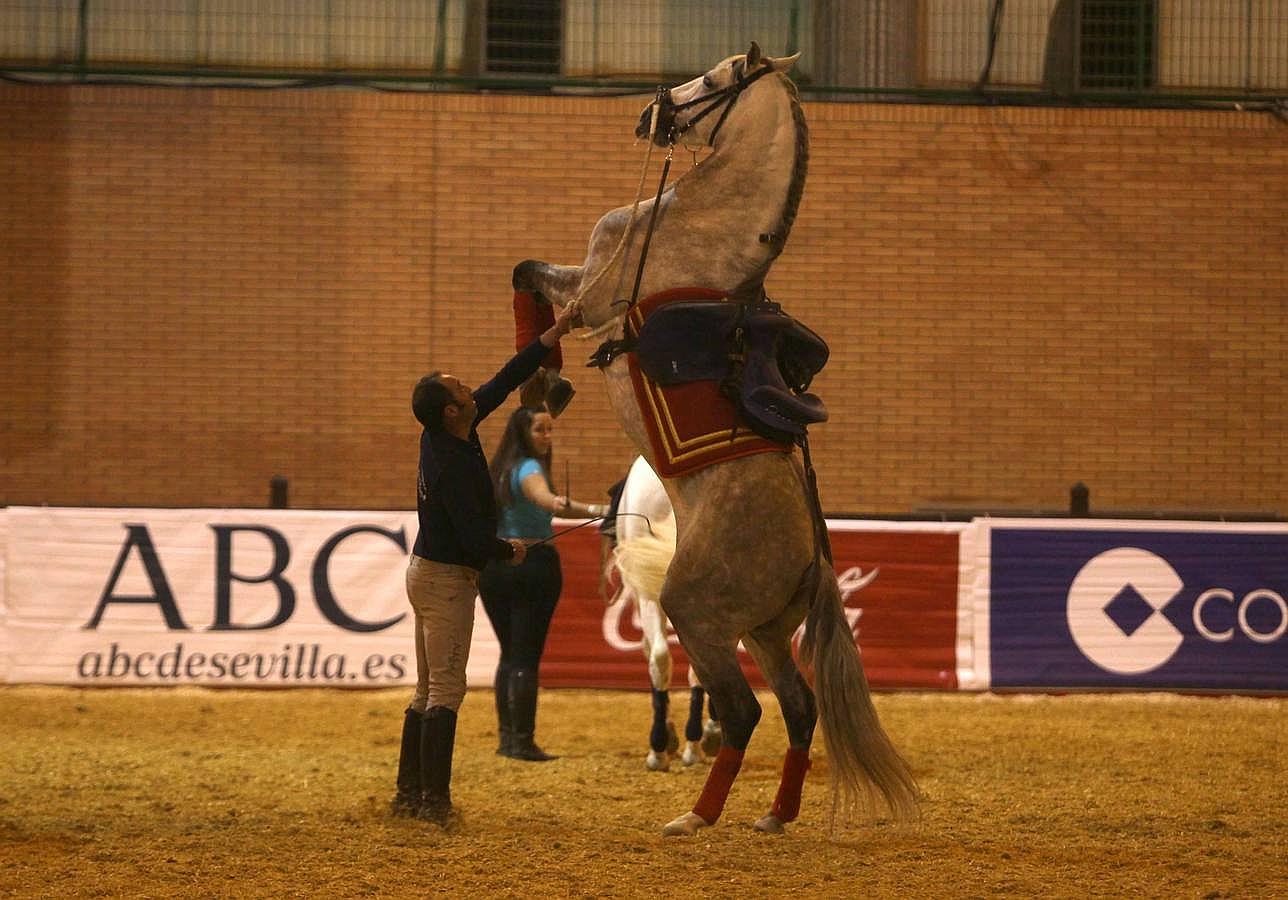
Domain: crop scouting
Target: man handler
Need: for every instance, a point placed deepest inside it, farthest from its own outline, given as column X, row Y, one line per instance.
column 456, row 538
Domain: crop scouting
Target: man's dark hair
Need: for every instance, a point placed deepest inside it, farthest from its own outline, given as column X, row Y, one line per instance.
column 428, row 398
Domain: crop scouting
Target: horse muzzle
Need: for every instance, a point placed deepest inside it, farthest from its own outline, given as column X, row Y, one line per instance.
column 665, row 128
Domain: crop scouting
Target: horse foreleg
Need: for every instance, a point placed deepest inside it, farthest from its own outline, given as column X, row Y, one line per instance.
column 662, row 738
column 558, row 284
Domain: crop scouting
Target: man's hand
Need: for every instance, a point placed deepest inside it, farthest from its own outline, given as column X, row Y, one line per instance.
column 563, row 324
column 520, row 551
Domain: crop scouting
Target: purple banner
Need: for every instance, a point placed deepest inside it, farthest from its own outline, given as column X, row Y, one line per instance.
column 1183, row 610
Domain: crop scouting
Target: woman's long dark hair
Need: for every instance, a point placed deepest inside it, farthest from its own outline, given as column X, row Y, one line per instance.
column 516, row 444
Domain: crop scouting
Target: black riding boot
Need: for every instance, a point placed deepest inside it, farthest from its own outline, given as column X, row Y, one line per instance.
column 504, row 727
column 407, row 799
column 523, row 717
column 437, row 741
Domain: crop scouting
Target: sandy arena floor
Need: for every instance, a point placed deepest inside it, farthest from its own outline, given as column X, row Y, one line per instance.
column 196, row 793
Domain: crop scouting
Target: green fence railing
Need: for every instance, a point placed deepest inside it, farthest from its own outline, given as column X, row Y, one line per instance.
column 1108, row 51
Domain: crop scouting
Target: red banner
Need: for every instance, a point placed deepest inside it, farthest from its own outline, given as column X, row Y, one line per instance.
column 900, row 590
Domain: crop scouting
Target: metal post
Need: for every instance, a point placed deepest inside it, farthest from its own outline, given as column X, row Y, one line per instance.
column 1079, row 501
column 793, row 28
column 82, row 40
column 1247, row 46
column 278, row 487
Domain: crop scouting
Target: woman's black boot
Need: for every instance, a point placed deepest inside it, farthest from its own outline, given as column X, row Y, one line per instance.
column 523, row 717
column 504, row 726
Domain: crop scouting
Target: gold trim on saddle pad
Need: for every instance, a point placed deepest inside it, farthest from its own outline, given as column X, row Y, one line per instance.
column 691, row 425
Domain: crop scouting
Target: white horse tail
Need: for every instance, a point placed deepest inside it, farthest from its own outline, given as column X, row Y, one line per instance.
column 866, row 768
column 644, row 560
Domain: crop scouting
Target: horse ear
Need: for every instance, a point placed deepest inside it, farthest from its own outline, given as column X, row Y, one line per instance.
column 784, row 63
column 754, row 55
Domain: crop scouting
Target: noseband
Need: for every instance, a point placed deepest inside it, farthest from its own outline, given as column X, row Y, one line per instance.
column 725, row 97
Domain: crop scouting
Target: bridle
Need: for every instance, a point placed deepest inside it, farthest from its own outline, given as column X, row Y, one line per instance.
column 664, row 122
column 722, row 99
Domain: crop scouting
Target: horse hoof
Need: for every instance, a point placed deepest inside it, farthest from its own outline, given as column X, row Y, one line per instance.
column 692, row 754
column 769, row 824
column 657, row 762
column 687, row 824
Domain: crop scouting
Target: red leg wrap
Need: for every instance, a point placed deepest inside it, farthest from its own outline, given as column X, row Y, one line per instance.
column 530, row 320
column 787, row 805
column 719, row 780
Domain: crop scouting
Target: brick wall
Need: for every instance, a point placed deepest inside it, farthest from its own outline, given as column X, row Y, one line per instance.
column 204, row 288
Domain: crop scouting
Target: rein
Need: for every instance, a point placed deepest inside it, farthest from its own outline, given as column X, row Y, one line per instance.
column 592, row 521
column 610, row 349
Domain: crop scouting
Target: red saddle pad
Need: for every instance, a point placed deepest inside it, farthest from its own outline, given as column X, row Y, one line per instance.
column 690, row 426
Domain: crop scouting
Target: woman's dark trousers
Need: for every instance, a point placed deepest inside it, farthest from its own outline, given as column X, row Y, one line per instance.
column 520, row 602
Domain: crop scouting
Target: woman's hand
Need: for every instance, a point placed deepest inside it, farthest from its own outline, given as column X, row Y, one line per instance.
column 520, row 551
column 534, row 488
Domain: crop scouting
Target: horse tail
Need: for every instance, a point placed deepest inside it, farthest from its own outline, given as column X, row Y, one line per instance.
column 644, row 560
column 865, row 766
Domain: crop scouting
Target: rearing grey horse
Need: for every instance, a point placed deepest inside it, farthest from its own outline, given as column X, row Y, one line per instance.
column 747, row 565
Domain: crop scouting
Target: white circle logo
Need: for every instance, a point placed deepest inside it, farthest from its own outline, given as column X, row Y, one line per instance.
column 1140, row 582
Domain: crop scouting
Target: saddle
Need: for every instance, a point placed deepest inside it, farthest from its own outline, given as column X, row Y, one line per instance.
column 762, row 358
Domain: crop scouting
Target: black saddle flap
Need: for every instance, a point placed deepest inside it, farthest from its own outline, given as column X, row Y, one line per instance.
column 687, row 341
column 776, row 357
column 802, row 354
column 774, row 407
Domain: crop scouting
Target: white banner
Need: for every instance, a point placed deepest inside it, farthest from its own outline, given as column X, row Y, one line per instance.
column 276, row 598
column 216, row 597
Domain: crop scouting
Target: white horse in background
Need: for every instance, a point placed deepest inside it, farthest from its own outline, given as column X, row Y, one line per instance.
column 645, row 546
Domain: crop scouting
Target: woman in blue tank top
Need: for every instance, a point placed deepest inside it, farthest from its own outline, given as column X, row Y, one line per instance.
column 520, row 600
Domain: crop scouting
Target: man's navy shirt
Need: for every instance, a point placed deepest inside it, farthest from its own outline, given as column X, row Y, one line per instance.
column 454, row 499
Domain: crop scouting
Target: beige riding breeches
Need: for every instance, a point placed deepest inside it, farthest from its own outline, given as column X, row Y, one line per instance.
column 442, row 596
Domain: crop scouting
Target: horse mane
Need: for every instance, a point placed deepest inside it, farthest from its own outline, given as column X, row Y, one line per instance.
column 796, row 189
column 752, row 286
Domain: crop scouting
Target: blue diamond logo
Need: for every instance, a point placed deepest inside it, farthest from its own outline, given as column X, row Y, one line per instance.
column 1128, row 610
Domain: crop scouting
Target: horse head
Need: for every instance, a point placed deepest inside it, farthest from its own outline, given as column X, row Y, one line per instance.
column 748, row 112
column 697, row 110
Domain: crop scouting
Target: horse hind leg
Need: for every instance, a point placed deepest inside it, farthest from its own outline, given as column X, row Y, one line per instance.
column 718, row 669
column 771, row 648
column 693, row 752
column 663, row 741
